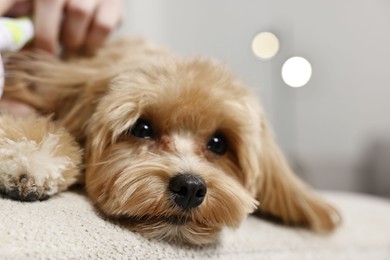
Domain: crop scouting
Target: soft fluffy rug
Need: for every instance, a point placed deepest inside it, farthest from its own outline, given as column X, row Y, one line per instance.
column 68, row 227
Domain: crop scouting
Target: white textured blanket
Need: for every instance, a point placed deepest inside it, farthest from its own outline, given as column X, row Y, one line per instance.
column 68, row 227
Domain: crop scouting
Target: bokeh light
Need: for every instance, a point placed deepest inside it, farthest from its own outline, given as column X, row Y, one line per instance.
column 265, row 45
column 296, row 72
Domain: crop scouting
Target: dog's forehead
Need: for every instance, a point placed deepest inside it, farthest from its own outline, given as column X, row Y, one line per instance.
column 184, row 80
column 196, row 94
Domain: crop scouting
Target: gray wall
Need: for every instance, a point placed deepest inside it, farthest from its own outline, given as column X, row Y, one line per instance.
column 330, row 128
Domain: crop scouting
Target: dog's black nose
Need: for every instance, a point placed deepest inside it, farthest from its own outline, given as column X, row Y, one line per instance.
column 188, row 190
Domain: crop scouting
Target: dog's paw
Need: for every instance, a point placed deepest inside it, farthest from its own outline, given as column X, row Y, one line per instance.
column 37, row 159
column 25, row 189
column 32, row 171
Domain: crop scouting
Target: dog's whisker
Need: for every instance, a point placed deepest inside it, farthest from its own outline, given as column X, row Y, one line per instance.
column 101, row 163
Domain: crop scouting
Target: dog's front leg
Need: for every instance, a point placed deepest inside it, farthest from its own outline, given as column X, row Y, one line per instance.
column 37, row 158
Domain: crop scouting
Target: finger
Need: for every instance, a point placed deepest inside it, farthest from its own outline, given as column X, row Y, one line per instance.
column 77, row 21
column 6, row 5
column 106, row 19
column 15, row 108
column 47, row 20
column 19, row 8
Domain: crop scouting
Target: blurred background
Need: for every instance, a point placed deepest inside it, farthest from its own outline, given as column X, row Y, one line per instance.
column 335, row 130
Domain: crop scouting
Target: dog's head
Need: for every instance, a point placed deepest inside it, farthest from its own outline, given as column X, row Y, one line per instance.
column 180, row 149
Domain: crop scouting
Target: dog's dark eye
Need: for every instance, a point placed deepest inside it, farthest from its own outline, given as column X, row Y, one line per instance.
column 142, row 129
column 218, row 144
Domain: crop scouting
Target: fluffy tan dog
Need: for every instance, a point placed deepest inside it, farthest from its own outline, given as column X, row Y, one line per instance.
column 176, row 148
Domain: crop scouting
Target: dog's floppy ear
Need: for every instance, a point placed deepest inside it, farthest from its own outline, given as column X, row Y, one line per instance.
column 283, row 195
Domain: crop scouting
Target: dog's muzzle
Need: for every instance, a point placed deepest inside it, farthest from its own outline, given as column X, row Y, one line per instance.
column 188, row 191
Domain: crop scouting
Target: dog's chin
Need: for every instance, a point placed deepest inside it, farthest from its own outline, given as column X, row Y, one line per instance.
column 177, row 229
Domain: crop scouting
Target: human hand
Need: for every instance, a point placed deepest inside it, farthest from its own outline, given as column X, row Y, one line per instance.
column 73, row 23
column 15, row 108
